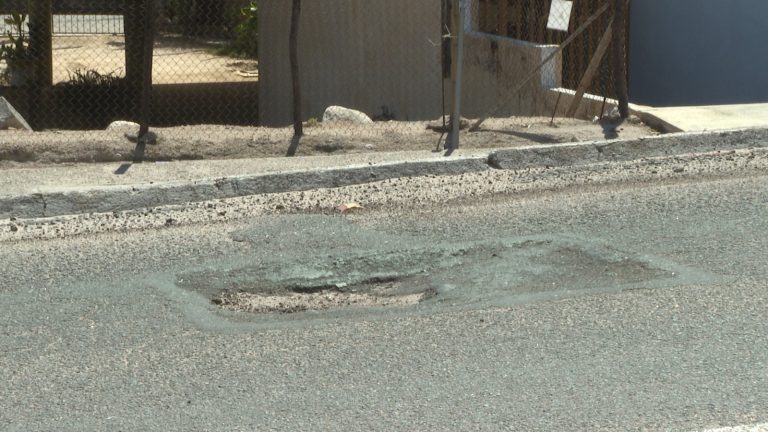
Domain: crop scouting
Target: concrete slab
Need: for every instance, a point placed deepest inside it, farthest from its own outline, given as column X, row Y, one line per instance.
column 72, row 177
column 705, row 118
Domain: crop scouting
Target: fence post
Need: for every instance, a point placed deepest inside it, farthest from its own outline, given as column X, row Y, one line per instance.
column 298, row 129
column 41, row 41
column 457, row 61
column 41, row 50
column 619, row 57
column 148, row 40
column 132, row 25
column 503, row 18
column 293, row 54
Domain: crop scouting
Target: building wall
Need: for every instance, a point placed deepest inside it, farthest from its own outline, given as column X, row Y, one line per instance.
column 366, row 54
column 361, row 54
column 698, row 52
column 493, row 68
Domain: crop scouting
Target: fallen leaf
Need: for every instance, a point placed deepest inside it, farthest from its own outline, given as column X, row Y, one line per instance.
column 346, row 207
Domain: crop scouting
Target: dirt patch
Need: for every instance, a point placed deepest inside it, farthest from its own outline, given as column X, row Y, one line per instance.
column 176, row 59
column 183, row 60
column 232, row 142
column 376, row 294
column 257, row 303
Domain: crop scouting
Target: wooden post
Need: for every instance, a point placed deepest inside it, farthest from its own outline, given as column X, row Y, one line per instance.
column 457, row 59
column 41, row 41
column 518, row 13
column 589, row 75
column 503, row 18
column 148, row 40
column 293, row 54
column 620, row 58
column 533, row 16
column 489, row 18
column 132, row 14
column 41, row 51
column 133, row 24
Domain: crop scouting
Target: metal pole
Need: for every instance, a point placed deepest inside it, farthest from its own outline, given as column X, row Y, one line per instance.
column 619, row 58
column 298, row 129
column 459, row 68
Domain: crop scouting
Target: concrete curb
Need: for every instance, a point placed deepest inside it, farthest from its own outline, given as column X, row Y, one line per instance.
column 119, row 198
column 626, row 150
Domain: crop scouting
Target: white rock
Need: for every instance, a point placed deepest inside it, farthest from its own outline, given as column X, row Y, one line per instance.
column 122, row 125
column 10, row 118
column 341, row 114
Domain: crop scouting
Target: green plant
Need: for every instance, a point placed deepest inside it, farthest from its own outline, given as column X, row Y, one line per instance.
column 180, row 12
column 247, row 30
column 15, row 52
column 90, row 99
column 92, row 78
column 245, row 43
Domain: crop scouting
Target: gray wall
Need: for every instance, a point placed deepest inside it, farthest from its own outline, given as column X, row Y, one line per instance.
column 494, row 66
column 362, row 54
column 698, row 52
column 365, row 54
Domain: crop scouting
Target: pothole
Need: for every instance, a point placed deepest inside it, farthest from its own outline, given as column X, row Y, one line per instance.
column 371, row 293
column 277, row 285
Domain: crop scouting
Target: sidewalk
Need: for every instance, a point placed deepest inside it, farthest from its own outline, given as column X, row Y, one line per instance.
column 99, row 188
column 705, row 118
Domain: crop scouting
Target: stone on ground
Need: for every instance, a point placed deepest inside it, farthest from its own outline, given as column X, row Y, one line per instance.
column 341, row 114
column 122, row 125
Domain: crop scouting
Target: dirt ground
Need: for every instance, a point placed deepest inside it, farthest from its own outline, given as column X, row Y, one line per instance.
column 19, row 148
column 180, row 60
column 176, row 60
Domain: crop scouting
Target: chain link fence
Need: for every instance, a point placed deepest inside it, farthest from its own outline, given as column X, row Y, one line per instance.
column 222, row 80
column 204, row 67
column 579, row 42
column 75, row 24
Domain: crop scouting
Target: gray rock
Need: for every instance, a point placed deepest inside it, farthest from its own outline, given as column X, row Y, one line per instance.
column 122, row 126
column 10, row 118
column 341, row 114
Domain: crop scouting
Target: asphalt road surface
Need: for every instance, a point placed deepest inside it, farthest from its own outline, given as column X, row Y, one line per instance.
column 638, row 305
